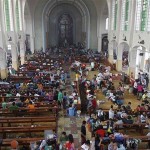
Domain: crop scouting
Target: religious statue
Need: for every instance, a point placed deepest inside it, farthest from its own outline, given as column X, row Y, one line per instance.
column 65, row 43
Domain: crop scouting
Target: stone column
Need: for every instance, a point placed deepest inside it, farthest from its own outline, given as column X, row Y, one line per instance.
column 110, row 53
column 3, row 65
column 32, row 44
column 14, row 57
column 99, row 44
column 119, row 65
column 22, row 52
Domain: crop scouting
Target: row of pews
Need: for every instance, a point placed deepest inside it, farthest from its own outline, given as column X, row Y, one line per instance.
column 24, row 125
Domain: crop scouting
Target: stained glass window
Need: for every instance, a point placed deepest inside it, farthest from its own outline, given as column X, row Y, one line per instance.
column 114, row 14
column 18, row 16
column 115, row 17
column 126, row 15
column 138, row 15
column 7, row 14
column 123, row 15
column 107, row 20
column 144, row 14
column 148, row 20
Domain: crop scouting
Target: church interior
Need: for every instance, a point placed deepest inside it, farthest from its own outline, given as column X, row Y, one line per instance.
column 74, row 74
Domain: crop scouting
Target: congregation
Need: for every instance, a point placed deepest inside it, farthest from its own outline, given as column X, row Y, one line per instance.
column 39, row 88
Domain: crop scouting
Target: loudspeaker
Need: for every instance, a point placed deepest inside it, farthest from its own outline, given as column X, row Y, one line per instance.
column 141, row 54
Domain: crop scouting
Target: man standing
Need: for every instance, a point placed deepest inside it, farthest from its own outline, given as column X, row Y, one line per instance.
column 60, row 98
column 83, row 132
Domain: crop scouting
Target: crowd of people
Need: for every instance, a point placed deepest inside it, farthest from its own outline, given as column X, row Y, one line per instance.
column 102, row 124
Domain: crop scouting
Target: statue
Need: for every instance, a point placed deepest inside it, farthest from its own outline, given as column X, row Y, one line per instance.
column 65, row 43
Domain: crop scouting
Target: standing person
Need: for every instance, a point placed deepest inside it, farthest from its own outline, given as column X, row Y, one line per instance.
column 65, row 103
column 147, row 80
column 69, row 145
column 60, row 98
column 63, row 139
column 111, row 112
column 83, row 132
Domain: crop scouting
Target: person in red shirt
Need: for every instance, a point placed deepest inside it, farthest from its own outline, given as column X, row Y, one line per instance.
column 100, row 131
column 94, row 103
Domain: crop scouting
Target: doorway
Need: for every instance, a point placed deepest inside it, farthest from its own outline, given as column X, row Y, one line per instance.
column 65, row 30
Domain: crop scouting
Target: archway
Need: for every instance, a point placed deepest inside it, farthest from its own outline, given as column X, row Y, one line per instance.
column 114, row 47
column 105, row 44
column 137, row 59
column 124, row 52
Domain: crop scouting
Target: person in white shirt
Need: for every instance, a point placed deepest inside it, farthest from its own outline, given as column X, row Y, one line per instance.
column 18, row 94
column 92, row 66
column 111, row 112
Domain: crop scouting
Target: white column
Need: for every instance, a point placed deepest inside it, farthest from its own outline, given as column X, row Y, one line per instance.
column 22, row 52
column 99, row 43
column 3, row 61
column 14, row 56
column 32, row 44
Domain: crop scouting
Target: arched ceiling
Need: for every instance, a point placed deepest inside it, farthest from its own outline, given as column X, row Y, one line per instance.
column 94, row 6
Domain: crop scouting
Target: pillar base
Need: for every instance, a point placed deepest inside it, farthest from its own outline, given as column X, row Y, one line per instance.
column 110, row 59
column 15, row 65
column 119, row 65
column 4, row 73
column 132, row 72
column 22, row 60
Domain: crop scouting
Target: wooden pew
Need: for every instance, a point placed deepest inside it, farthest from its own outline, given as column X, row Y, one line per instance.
column 9, row 121
column 26, row 129
column 21, row 141
column 26, row 111
column 138, row 127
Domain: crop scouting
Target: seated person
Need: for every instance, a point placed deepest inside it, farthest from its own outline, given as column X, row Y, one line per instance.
column 14, row 145
column 31, row 106
column 144, row 96
column 127, row 120
column 13, row 107
column 4, row 104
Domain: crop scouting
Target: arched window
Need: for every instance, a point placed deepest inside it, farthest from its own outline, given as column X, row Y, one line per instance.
column 107, row 20
column 144, row 15
column 148, row 20
column 126, row 15
column 123, row 15
column 8, row 15
column 138, row 14
column 114, row 14
column 18, row 16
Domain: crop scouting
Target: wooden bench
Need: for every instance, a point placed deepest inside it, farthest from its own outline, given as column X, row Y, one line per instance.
column 26, row 129
column 21, row 141
column 138, row 127
column 26, row 111
column 15, row 120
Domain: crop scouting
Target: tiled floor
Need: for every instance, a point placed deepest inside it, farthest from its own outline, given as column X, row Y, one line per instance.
column 72, row 125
